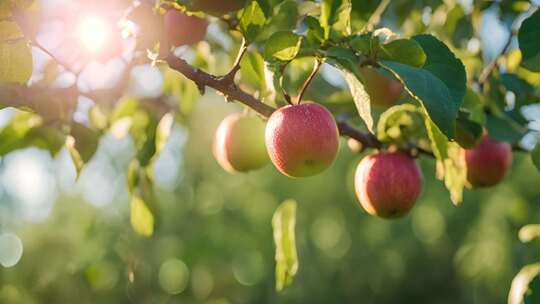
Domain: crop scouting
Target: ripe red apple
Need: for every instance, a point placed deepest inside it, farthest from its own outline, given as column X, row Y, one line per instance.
column 182, row 29
column 388, row 184
column 239, row 143
column 217, row 7
column 383, row 91
column 302, row 140
column 488, row 162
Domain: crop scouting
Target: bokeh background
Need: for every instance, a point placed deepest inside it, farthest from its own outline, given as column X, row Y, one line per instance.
column 64, row 240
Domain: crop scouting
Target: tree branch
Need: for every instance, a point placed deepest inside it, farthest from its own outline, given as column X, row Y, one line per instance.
column 233, row 92
column 230, row 90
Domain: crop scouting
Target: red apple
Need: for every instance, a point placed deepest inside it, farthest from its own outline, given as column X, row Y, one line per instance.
column 239, row 143
column 488, row 162
column 302, row 140
column 217, row 7
column 182, row 29
column 383, row 91
column 388, row 184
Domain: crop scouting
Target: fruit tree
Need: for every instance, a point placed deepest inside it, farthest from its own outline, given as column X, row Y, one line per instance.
column 313, row 80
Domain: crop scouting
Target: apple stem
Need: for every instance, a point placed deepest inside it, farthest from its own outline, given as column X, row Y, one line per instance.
column 318, row 63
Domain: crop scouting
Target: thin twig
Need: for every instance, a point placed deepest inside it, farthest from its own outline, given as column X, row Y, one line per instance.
column 375, row 18
column 488, row 69
column 66, row 66
column 304, row 87
column 236, row 66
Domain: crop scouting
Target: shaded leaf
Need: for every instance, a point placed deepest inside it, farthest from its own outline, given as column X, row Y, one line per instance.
column 535, row 154
column 283, row 224
column 400, row 123
column 529, row 43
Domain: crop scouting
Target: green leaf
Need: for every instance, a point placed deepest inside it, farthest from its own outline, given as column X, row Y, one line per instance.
column 336, row 18
column 442, row 63
column 451, row 167
column 406, row 51
column 25, row 130
column 361, row 98
column 182, row 89
column 528, row 233
column 283, row 224
column 439, row 85
column 400, row 123
column 430, row 91
column 503, row 128
column 86, row 141
column 16, row 59
column 163, row 131
column 282, row 46
column 252, row 21
column 520, row 288
column 535, row 154
column 142, row 218
column 468, row 132
column 529, row 43
column 252, row 71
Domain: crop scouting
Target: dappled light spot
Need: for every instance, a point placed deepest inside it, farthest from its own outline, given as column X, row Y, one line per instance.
column 173, row 276
column 11, row 249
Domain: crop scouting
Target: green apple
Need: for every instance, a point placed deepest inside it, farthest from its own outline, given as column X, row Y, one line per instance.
column 239, row 144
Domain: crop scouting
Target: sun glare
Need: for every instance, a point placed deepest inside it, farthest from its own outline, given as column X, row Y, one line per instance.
column 94, row 33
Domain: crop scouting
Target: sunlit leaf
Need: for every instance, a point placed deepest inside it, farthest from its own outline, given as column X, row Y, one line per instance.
column 336, row 18
column 520, row 288
column 361, row 98
column 451, row 167
column 406, row 51
column 282, row 46
column 529, row 232
column 142, row 218
column 283, row 224
column 16, row 59
column 400, row 123
column 252, row 21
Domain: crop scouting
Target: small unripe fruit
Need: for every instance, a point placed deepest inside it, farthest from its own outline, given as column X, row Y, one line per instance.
column 488, row 162
column 217, row 7
column 239, row 143
column 388, row 184
column 302, row 140
column 383, row 91
column 182, row 29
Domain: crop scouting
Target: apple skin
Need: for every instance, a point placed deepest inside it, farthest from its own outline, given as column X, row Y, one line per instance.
column 182, row 29
column 239, row 143
column 217, row 7
column 388, row 184
column 488, row 162
column 383, row 91
column 302, row 140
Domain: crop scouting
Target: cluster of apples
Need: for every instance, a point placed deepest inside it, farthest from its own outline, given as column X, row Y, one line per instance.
column 303, row 140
